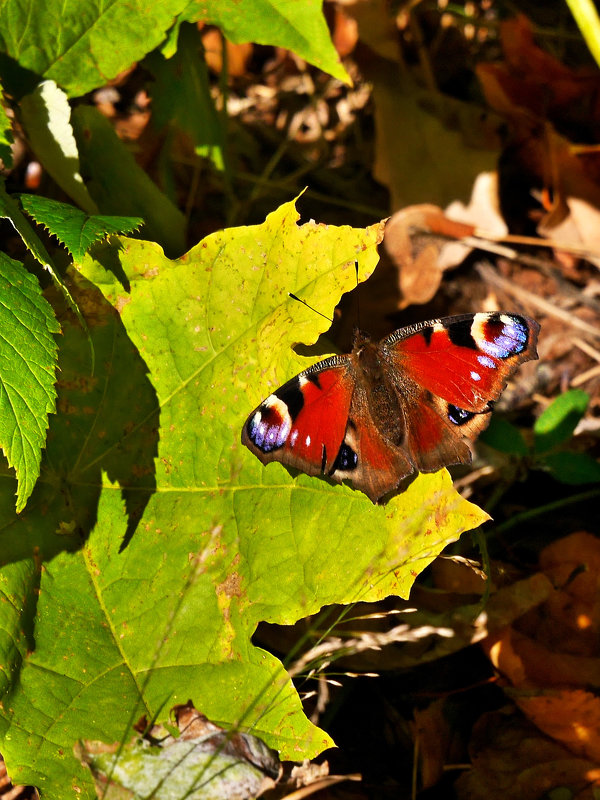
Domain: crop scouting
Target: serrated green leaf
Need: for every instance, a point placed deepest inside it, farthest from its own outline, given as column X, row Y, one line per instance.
column 27, row 372
column 505, row 437
column 300, row 27
column 573, row 468
column 6, row 137
column 46, row 117
column 120, row 186
column 214, row 541
column 557, row 423
column 10, row 210
column 82, row 44
column 72, row 227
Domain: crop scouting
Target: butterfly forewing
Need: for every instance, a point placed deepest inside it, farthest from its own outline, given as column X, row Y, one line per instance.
column 303, row 423
column 465, row 360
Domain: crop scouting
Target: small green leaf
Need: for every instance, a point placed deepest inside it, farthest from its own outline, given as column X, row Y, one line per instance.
column 505, row 437
column 46, row 117
column 557, row 423
column 72, row 227
column 9, row 209
column 573, row 468
column 27, row 372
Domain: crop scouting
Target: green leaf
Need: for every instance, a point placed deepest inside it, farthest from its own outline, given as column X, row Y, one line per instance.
column 181, row 96
column 573, row 468
column 557, row 423
column 82, row 44
column 72, row 227
column 588, row 22
column 505, row 437
column 6, row 136
column 46, row 117
column 120, row 186
column 27, row 372
column 299, row 27
column 10, row 210
column 159, row 604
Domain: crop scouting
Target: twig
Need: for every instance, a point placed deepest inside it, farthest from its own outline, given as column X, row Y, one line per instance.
column 586, row 376
column 587, row 348
column 529, row 298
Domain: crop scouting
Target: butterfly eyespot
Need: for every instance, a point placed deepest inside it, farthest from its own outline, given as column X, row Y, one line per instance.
column 458, row 415
column 501, row 335
column 346, row 460
column 270, row 426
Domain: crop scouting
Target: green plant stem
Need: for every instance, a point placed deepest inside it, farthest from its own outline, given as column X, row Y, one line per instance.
column 540, row 510
column 588, row 23
column 480, row 541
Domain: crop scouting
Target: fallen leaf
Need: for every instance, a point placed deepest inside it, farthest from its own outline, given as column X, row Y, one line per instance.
column 512, row 760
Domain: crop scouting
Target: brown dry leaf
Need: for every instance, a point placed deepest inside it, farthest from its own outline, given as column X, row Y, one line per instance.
column 238, row 55
column 416, row 255
column 573, row 611
column 512, row 760
column 525, row 662
column 432, row 732
column 568, row 716
column 537, row 82
column 551, row 656
column 535, row 90
column 344, row 32
column 423, row 241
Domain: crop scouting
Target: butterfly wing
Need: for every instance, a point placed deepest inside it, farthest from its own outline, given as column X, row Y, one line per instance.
column 303, row 423
column 319, row 422
column 411, row 402
column 448, row 374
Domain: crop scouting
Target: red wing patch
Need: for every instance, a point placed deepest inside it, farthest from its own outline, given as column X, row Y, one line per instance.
column 303, row 423
column 464, row 360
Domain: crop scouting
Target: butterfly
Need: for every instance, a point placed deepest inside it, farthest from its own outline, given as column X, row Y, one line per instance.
column 410, row 402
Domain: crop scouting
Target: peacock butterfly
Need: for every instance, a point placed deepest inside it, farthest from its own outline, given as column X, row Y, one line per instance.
column 409, row 402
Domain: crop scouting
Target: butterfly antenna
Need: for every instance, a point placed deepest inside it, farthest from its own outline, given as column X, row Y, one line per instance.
column 304, row 303
column 357, row 298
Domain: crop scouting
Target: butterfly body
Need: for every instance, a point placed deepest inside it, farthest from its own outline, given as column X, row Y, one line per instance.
column 409, row 402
